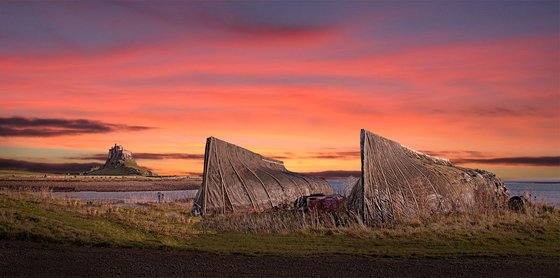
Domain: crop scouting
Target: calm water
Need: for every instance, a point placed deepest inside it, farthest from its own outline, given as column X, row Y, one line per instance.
column 544, row 191
column 340, row 186
column 548, row 192
column 541, row 190
column 128, row 197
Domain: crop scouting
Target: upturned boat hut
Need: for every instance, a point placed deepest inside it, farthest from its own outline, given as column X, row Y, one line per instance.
column 238, row 180
column 398, row 182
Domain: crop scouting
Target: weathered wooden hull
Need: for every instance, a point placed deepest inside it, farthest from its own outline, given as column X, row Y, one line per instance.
column 398, row 182
column 238, row 180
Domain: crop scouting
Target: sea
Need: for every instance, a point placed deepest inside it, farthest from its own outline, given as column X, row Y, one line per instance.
column 128, row 197
column 542, row 190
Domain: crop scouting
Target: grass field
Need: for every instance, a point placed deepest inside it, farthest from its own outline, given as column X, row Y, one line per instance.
column 42, row 218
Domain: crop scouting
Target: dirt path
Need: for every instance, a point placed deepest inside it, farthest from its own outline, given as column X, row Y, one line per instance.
column 35, row 259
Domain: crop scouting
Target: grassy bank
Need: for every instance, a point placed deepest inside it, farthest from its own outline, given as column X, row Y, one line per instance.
column 44, row 219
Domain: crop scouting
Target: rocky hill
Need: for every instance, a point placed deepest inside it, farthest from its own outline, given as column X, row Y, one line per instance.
column 121, row 163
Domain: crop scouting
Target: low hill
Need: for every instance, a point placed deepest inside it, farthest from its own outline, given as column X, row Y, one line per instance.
column 120, row 162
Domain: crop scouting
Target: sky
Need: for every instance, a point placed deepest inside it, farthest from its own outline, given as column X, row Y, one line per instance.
column 475, row 82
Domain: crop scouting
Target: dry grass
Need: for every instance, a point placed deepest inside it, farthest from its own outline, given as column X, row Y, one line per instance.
column 26, row 215
column 498, row 232
column 283, row 222
column 532, row 219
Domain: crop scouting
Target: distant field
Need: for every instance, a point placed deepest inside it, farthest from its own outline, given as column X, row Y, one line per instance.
column 23, row 172
column 58, row 183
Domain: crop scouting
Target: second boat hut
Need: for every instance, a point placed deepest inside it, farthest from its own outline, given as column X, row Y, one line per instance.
column 398, row 182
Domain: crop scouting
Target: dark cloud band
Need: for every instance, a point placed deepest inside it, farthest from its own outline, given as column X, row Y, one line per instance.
column 168, row 156
column 49, row 127
column 335, row 174
column 530, row 161
column 155, row 156
column 319, row 155
column 11, row 164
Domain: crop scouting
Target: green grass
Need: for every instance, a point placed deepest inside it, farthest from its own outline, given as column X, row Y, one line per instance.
column 169, row 226
column 55, row 222
column 416, row 246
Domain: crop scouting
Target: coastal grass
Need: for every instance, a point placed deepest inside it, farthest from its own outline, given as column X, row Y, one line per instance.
column 42, row 218
column 39, row 217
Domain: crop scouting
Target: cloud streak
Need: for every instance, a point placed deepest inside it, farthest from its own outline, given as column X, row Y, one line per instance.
column 152, row 156
column 553, row 161
column 12, row 164
column 168, row 156
column 50, row 127
column 318, row 155
column 476, row 157
column 335, row 174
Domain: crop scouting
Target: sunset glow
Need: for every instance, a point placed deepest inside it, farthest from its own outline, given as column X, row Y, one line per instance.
column 478, row 83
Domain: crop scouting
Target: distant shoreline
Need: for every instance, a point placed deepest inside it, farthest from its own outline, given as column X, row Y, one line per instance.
column 62, row 183
column 539, row 181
